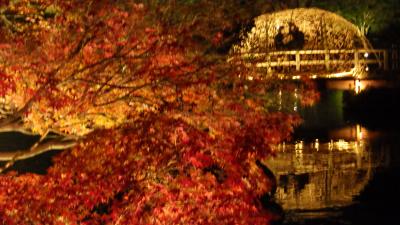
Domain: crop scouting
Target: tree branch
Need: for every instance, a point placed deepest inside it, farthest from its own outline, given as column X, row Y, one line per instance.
column 45, row 144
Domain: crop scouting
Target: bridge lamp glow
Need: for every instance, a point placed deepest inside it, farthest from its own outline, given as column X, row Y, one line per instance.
column 366, row 55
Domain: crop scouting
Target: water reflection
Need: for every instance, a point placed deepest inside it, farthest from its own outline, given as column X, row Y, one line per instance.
column 316, row 175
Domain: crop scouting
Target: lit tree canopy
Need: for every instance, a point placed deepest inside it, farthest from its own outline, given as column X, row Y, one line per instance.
column 321, row 29
column 158, row 171
column 166, row 131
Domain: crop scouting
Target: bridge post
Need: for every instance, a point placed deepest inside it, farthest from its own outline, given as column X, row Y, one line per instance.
column 297, row 61
column 356, row 60
column 269, row 68
column 385, row 60
column 327, row 65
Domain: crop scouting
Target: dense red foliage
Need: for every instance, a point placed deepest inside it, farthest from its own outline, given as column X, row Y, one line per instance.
column 155, row 171
column 170, row 130
column 7, row 84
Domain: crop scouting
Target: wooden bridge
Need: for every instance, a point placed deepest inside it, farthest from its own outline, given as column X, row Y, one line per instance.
column 327, row 61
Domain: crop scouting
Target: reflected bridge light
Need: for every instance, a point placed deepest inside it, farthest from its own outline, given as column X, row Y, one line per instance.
column 298, row 150
column 357, row 86
column 341, row 145
column 316, row 144
column 297, row 77
column 299, row 146
column 330, row 145
column 359, row 132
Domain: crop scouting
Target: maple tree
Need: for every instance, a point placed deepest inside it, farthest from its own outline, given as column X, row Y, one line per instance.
column 160, row 128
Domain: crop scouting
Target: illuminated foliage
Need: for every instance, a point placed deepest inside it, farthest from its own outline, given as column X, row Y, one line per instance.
column 322, row 30
column 159, row 171
column 167, row 131
column 328, row 35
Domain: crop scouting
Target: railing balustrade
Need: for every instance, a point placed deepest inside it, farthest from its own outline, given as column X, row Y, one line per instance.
column 326, row 58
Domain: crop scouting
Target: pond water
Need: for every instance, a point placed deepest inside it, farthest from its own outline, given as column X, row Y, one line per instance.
column 339, row 169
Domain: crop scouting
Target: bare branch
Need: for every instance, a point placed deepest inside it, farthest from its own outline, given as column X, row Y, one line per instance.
column 44, row 144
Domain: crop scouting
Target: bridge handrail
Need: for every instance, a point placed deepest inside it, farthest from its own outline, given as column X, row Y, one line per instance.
column 375, row 56
column 315, row 51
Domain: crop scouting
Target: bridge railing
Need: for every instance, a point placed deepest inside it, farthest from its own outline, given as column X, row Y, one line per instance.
column 326, row 58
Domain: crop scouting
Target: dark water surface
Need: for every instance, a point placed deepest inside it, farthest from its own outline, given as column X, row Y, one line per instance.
column 340, row 169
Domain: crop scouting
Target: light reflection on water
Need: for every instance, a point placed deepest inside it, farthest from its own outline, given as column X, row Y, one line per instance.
column 318, row 175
